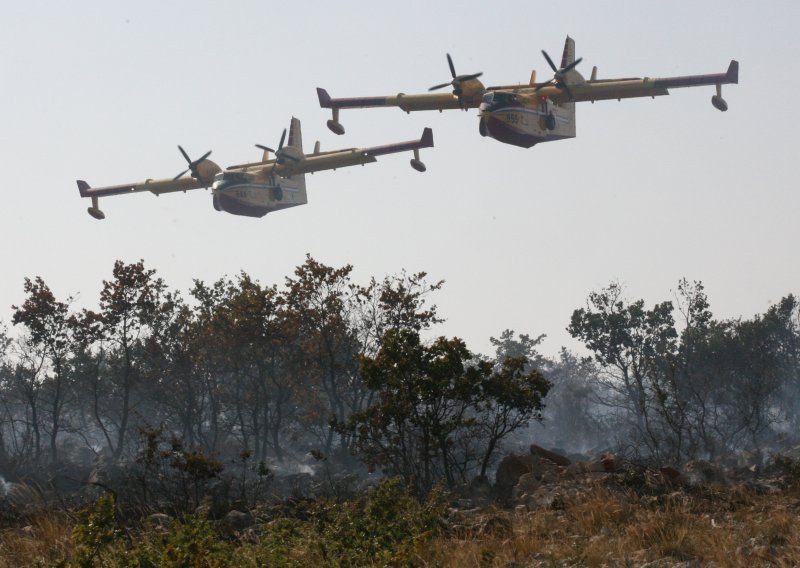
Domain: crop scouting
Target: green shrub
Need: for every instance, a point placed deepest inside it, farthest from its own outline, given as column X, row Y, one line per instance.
column 386, row 526
column 96, row 530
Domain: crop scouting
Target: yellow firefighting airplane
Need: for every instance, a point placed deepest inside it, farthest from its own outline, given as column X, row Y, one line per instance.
column 257, row 188
column 525, row 115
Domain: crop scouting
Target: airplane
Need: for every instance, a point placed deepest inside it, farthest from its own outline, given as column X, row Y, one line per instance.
column 528, row 114
column 257, row 188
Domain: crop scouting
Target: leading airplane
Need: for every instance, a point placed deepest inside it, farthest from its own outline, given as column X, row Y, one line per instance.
column 526, row 115
column 257, row 188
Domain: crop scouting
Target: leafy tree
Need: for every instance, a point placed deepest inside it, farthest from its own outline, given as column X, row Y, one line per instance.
column 633, row 346
column 320, row 302
column 437, row 411
column 55, row 332
column 132, row 306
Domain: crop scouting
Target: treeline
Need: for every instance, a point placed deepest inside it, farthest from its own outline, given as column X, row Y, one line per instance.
column 325, row 366
column 320, row 365
column 698, row 386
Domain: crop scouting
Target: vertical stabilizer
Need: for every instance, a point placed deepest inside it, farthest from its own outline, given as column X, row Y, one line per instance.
column 295, row 135
column 568, row 57
column 569, row 52
column 297, row 181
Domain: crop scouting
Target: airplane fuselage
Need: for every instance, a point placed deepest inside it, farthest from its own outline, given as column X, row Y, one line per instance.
column 240, row 193
column 509, row 120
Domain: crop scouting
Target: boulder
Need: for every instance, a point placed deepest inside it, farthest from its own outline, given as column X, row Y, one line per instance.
column 235, row 522
column 527, row 484
column 508, row 473
column 554, row 457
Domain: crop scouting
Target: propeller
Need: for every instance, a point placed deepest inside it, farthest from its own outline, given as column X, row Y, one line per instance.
column 280, row 156
column 192, row 164
column 559, row 74
column 456, row 81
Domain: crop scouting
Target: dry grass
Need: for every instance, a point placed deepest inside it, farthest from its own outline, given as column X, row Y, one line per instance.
column 44, row 542
column 725, row 528
column 720, row 527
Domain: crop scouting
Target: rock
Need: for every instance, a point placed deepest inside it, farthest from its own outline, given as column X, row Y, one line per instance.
column 607, row 463
column 672, row 476
column 554, row 457
column 508, row 473
column 500, row 527
column 704, row 472
column 159, row 519
column 527, row 484
column 235, row 522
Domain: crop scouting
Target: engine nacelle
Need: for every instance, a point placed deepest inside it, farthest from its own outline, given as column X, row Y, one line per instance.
column 719, row 103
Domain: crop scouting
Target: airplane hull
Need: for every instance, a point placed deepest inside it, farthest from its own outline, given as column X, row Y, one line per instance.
column 256, row 200
column 526, row 127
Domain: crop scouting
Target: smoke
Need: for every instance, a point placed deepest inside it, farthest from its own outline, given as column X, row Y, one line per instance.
column 5, row 487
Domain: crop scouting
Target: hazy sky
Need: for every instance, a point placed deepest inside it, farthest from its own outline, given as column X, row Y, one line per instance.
column 649, row 191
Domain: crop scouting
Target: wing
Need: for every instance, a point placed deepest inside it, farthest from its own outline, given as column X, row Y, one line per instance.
column 607, row 89
column 205, row 169
column 332, row 160
column 357, row 156
column 470, row 98
column 428, row 101
column 157, row 187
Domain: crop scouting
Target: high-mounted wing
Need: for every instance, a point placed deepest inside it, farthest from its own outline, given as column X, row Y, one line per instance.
column 334, row 159
column 202, row 172
column 467, row 92
column 608, row 89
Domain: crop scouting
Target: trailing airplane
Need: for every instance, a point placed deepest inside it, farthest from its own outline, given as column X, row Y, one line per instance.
column 257, row 188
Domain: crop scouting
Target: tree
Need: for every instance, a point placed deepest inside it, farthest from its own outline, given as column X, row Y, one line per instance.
column 132, row 306
column 439, row 412
column 320, row 303
column 633, row 346
column 55, row 331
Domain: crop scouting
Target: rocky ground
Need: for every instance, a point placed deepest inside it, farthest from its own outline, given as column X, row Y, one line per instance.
column 544, row 509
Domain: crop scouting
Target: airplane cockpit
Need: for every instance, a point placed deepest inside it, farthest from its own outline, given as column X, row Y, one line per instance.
column 224, row 179
column 494, row 100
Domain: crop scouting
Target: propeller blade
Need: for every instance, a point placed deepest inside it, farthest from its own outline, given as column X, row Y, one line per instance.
column 550, row 61
column 452, row 67
column 283, row 137
column 572, row 65
column 185, row 155
column 203, row 157
column 470, row 77
column 177, row 177
column 442, row 86
column 566, row 88
column 267, row 148
column 542, row 85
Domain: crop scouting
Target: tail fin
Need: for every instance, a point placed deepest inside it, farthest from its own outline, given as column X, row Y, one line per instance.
column 569, row 52
column 569, row 129
column 732, row 76
column 83, row 187
column 295, row 135
column 296, row 141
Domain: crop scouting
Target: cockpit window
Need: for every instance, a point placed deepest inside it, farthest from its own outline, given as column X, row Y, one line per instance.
column 233, row 176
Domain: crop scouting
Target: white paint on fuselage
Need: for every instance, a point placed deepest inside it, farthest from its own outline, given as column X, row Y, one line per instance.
column 248, row 197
